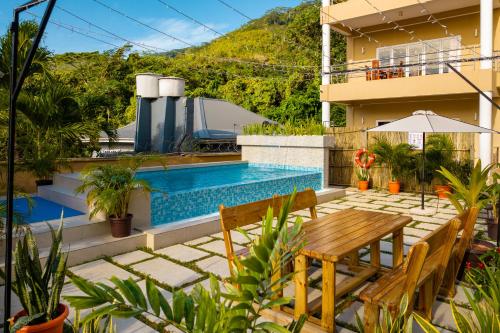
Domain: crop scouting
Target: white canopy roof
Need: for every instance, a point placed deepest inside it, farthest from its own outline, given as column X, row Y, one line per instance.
column 429, row 122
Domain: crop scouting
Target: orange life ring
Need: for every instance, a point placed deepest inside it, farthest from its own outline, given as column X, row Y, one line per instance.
column 369, row 161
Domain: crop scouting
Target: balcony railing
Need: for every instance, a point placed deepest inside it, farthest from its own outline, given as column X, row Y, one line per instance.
column 431, row 63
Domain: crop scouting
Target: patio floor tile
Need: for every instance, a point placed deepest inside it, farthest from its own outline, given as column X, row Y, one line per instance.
column 182, row 253
column 132, row 257
column 101, row 271
column 132, row 325
column 218, row 247
column 167, row 272
column 215, row 265
column 201, row 240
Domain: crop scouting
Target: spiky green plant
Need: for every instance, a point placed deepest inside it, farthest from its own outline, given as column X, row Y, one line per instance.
column 474, row 193
column 38, row 286
column 237, row 310
column 485, row 314
column 110, row 187
column 362, row 173
column 398, row 322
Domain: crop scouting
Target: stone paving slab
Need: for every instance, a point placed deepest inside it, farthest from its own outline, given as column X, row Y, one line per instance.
column 167, row 272
column 393, row 204
column 132, row 325
column 132, row 257
column 327, row 210
column 427, row 226
column 416, row 232
column 215, row 265
column 182, row 253
column 218, row 247
column 101, row 271
column 200, row 240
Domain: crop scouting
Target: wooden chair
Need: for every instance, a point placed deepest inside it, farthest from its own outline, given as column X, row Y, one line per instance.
column 441, row 242
column 235, row 217
column 390, row 288
column 375, row 71
column 383, row 292
column 468, row 221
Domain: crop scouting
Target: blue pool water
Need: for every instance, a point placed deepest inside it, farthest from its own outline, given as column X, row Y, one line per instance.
column 42, row 210
column 191, row 192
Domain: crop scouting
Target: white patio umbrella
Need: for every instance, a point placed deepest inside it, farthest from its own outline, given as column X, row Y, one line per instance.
column 429, row 122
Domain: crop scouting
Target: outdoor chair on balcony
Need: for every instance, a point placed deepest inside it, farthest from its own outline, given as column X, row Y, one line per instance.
column 235, row 217
column 390, row 288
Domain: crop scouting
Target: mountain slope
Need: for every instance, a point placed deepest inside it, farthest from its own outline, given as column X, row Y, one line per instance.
column 105, row 82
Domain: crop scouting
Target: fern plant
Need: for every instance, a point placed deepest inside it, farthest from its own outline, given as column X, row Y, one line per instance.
column 38, row 286
column 256, row 287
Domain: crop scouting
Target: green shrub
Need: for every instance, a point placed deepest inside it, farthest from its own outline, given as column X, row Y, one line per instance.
column 306, row 127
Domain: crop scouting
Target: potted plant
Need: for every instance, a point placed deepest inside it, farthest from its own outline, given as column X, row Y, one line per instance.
column 39, row 286
column 109, row 188
column 398, row 158
column 475, row 192
column 439, row 153
column 363, row 178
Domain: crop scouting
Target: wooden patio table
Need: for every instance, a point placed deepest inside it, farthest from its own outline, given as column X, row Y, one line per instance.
column 334, row 237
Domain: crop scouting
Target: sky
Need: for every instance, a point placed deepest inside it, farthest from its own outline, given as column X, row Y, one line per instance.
column 155, row 13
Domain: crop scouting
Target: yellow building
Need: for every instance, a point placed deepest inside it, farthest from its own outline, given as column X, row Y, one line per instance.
column 397, row 55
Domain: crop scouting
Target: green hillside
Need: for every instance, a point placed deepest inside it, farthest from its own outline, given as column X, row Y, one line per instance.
column 104, row 82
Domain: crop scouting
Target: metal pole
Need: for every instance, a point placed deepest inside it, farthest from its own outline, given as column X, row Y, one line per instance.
column 422, row 182
column 16, row 84
column 14, row 31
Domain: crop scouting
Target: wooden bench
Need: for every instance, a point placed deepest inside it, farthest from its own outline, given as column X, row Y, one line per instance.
column 390, row 288
column 235, row 217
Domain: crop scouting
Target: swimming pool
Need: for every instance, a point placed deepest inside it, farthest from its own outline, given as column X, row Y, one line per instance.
column 42, row 210
column 197, row 191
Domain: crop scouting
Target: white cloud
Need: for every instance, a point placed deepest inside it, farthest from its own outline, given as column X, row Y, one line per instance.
column 182, row 29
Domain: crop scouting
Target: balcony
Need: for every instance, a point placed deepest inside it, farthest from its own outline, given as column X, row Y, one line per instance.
column 360, row 14
column 425, row 75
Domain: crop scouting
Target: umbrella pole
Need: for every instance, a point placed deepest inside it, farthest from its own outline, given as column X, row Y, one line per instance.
column 422, row 175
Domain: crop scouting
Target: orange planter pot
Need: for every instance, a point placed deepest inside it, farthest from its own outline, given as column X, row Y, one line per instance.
column 394, row 187
column 441, row 191
column 56, row 325
column 362, row 185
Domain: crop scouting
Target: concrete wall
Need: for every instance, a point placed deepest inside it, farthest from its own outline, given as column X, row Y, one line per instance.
column 301, row 151
column 26, row 181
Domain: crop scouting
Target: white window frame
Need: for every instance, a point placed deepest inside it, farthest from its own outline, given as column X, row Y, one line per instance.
column 425, row 47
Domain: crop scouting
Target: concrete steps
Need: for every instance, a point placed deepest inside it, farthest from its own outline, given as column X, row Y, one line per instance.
column 94, row 247
column 63, row 192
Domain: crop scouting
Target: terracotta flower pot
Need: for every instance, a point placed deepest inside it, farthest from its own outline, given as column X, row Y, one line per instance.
column 442, row 191
column 362, row 185
column 394, row 187
column 56, row 325
column 121, row 227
